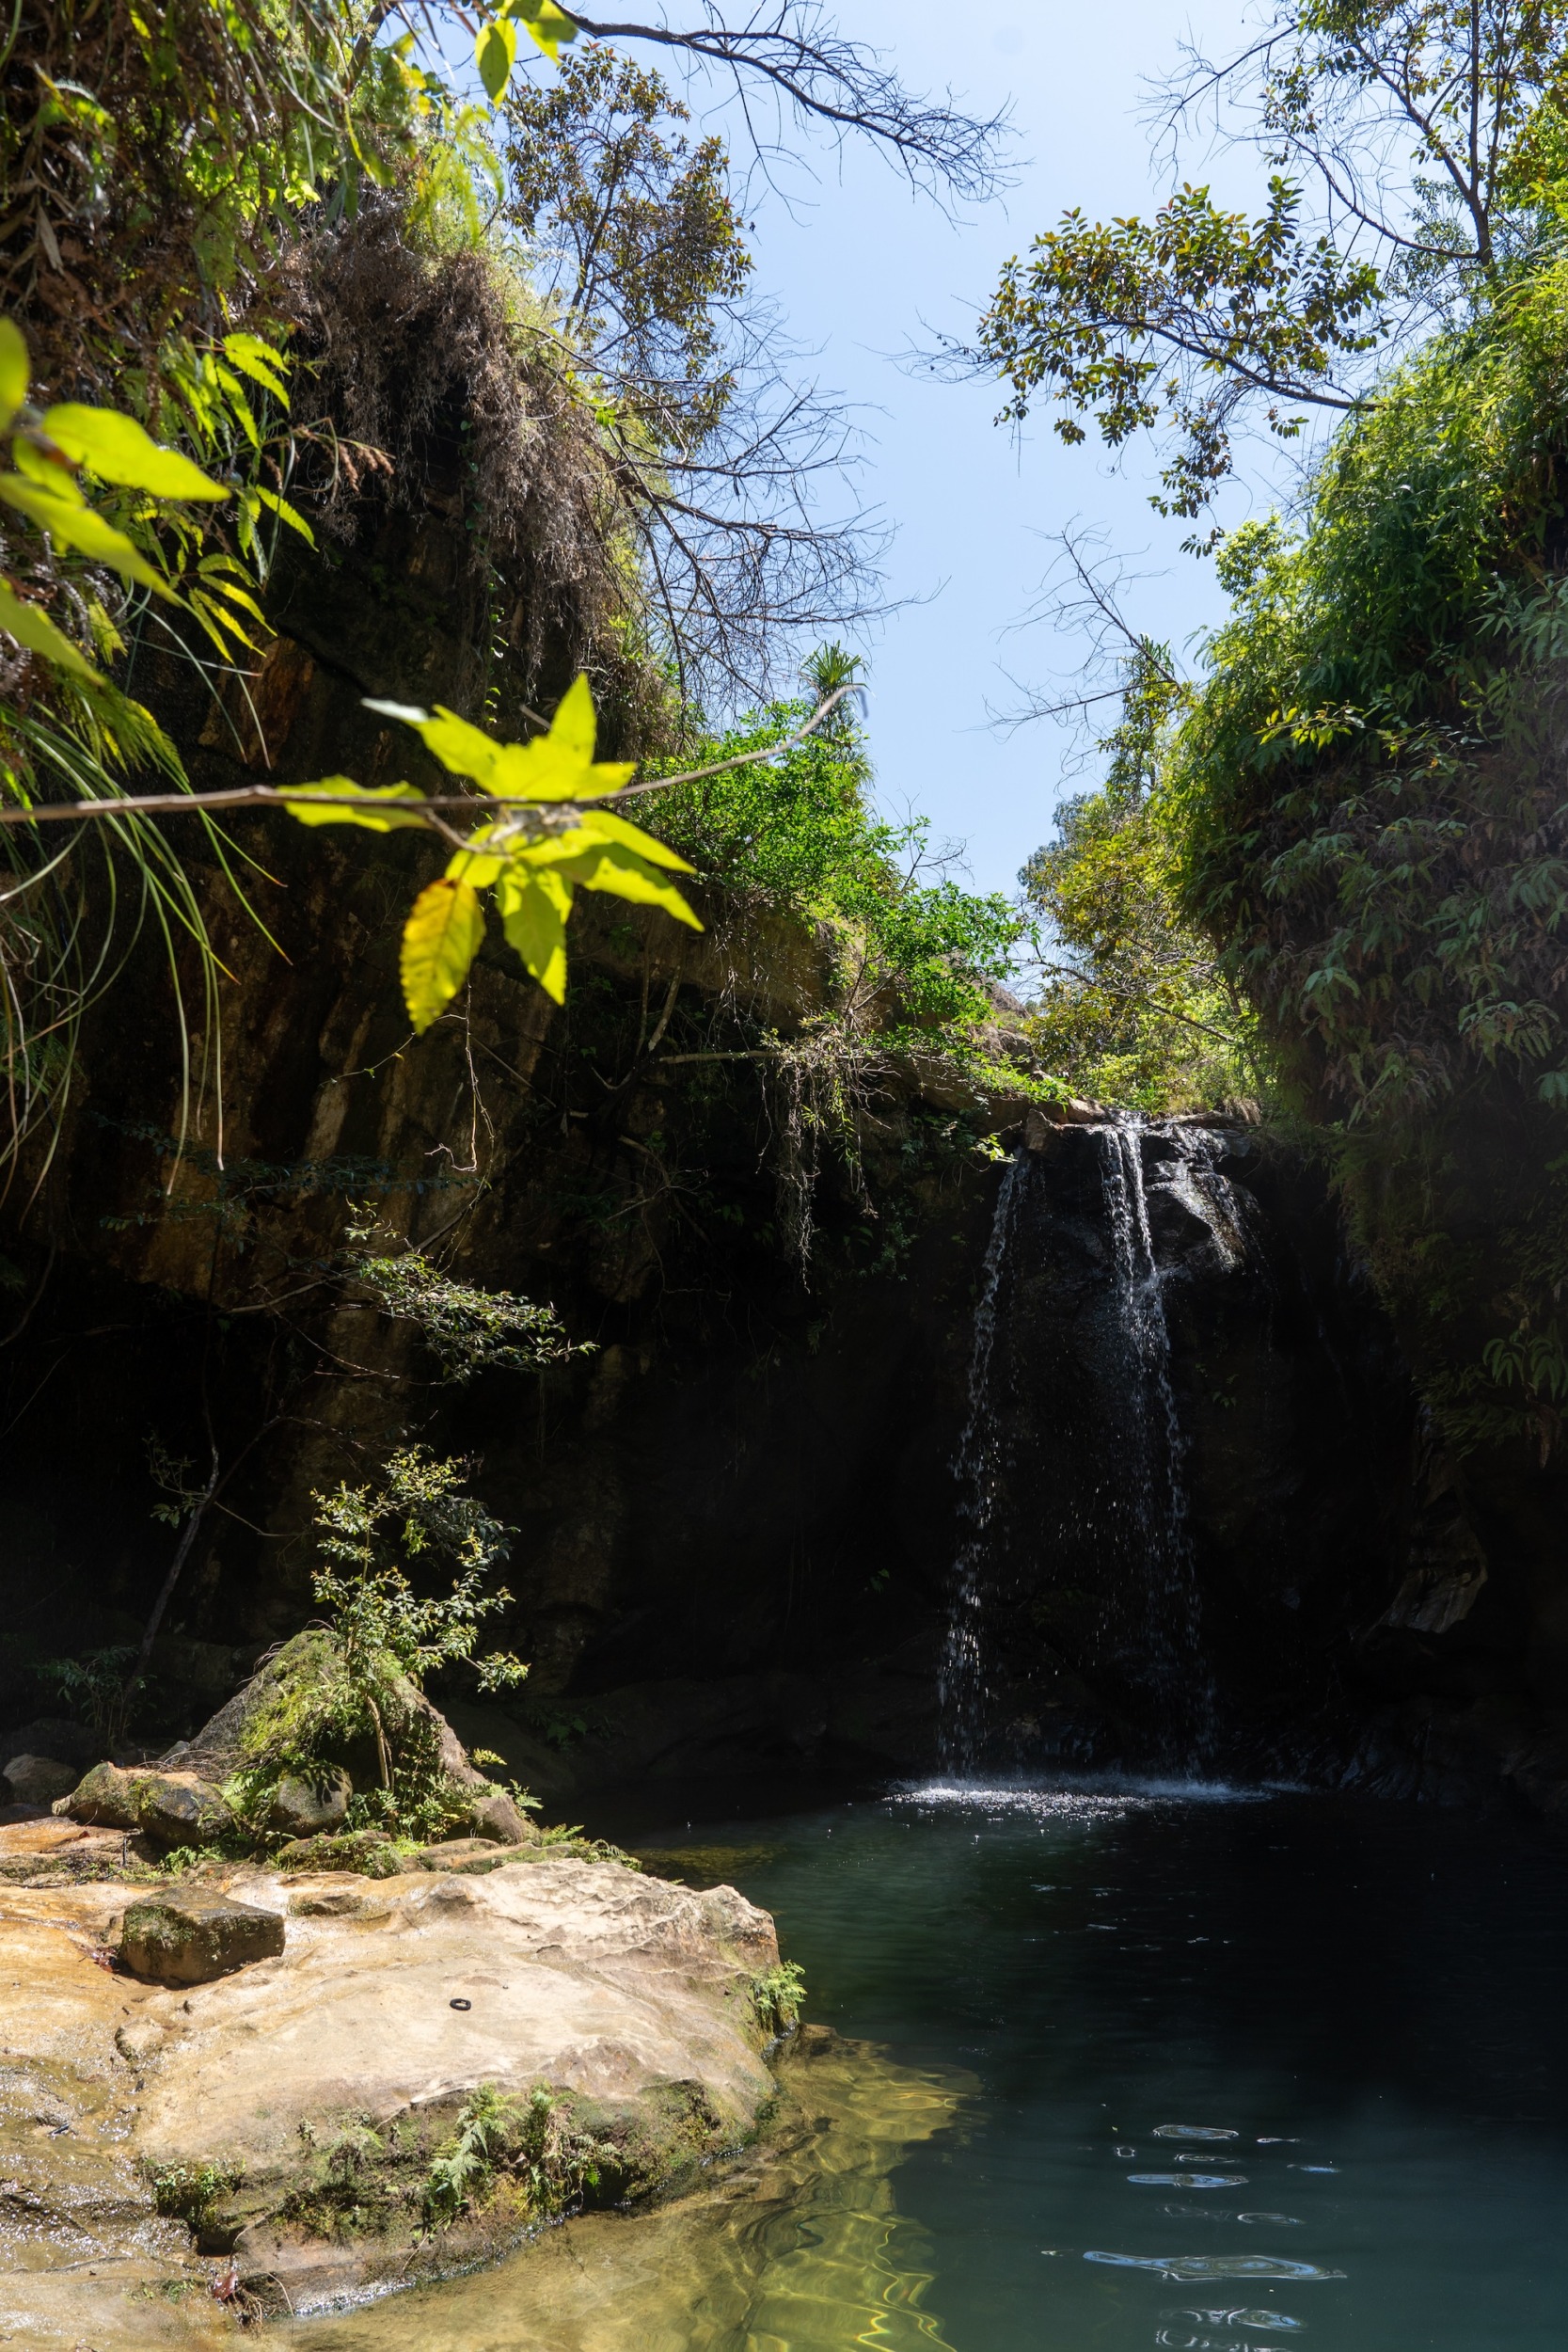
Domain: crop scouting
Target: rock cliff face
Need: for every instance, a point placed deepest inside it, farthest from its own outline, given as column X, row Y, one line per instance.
column 1217, row 1532
column 736, row 1516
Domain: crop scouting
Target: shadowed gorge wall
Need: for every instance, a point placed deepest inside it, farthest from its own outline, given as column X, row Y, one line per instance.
column 737, row 1517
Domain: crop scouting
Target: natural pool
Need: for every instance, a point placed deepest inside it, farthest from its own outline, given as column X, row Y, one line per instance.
column 1179, row 2067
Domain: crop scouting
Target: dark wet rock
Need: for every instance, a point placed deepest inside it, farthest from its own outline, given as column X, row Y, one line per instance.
column 191, row 1937
column 496, row 1816
column 39, row 1779
column 314, row 1806
column 180, row 1809
column 55, row 1736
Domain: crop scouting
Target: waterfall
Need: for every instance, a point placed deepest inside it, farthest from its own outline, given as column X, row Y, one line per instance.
column 979, row 1469
column 1160, row 1634
column 1076, row 1562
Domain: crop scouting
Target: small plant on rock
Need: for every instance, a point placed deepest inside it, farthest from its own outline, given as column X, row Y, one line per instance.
column 777, row 1996
column 536, row 2144
column 380, row 1638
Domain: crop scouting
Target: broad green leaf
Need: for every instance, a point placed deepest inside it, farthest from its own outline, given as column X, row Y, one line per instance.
column 609, row 866
column 495, row 54
column 51, row 473
column 13, row 373
column 605, row 825
column 575, row 728
column 534, row 907
column 440, row 939
column 559, row 766
column 285, row 513
column 32, row 627
column 81, row 527
column 551, row 26
column 477, row 868
column 261, row 362
column 117, row 450
column 342, row 788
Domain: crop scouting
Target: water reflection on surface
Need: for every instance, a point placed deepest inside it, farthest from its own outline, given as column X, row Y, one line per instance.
column 1334, row 2035
column 801, row 2245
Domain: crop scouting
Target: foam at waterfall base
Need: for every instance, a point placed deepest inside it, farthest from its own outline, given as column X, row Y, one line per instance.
column 1092, row 1796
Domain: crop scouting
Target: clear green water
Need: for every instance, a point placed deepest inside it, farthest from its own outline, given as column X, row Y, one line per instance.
column 1371, row 2002
column 1362, row 2009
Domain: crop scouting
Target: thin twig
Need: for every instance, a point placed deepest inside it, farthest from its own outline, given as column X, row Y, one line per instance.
column 425, row 810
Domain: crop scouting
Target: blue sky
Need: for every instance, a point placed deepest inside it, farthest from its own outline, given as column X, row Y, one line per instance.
column 862, row 270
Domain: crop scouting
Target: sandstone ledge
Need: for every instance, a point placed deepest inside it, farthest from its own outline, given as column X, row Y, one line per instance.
column 290, row 2111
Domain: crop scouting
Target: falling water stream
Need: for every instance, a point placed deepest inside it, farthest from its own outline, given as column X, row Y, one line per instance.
column 1125, row 1476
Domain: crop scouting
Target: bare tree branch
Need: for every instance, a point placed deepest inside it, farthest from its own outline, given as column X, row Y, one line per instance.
column 814, row 71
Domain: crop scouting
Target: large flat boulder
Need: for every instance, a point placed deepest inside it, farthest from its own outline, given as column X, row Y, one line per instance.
column 220, row 2110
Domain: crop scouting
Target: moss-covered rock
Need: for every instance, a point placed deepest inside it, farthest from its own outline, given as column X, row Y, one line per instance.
column 368, row 1852
column 311, row 1804
column 177, row 1808
column 191, row 1937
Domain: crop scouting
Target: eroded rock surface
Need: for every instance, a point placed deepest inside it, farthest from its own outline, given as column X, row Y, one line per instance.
column 231, row 2103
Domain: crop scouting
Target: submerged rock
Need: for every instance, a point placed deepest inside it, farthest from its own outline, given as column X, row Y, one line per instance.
column 192, row 1937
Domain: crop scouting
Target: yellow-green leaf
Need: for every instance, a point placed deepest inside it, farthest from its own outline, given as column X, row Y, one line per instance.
column 261, row 362
column 13, row 371
column 51, row 473
column 440, row 940
column 215, row 618
column 575, row 727
column 81, row 527
column 32, row 627
column 373, row 816
column 609, row 866
column 551, row 27
column 117, row 450
column 495, row 54
column 477, row 868
column 287, row 513
column 604, row 823
column 559, row 766
column 534, row 905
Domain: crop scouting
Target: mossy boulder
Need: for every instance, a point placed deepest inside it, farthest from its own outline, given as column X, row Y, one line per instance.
column 296, row 1742
column 191, row 1937
column 311, row 1804
column 367, row 1852
column 177, row 1808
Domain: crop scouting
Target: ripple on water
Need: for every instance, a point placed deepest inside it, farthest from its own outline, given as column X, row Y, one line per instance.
column 1193, row 2130
column 1278, row 2321
column 1188, row 2180
column 1216, row 2265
